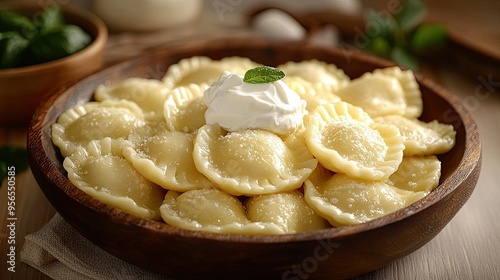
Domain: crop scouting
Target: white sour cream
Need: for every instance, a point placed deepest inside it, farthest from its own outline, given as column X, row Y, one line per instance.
column 237, row 105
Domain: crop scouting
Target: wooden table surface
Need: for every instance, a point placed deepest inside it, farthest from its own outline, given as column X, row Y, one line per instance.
column 467, row 248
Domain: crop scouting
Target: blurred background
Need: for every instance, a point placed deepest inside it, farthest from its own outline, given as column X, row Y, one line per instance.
column 471, row 29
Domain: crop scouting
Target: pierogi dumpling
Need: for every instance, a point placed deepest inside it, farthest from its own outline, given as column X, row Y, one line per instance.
column 100, row 170
column 413, row 96
column 421, row 138
column 94, row 121
column 148, row 94
column 384, row 92
column 165, row 158
column 343, row 139
column 417, row 173
column 318, row 73
column 203, row 70
column 343, row 200
column 252, row 161
column 211, row 210
column 287, row 210
column 185, row 108
column 313, row 94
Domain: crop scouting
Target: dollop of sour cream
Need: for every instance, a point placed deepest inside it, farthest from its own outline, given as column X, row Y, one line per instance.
column 236, row 105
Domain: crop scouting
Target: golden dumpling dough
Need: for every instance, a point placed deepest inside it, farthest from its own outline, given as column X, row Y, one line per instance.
column 377, row 95
column 252, row 161
column 185, row 108
column 385, row 91
column 417, row 173
column 343, row 200
column 95, row 121
column 100, row 170
column 316, row 72
column 287, row 210
column 314, row 95
column 413, row 96
column 165, row 157
column 341, row 138
column 203, row 70
column 208, row 207
column 148, row 94
column 421, row 138
column 211, row 210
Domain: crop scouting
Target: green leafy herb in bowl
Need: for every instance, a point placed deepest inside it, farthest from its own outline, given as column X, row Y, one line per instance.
column 27, row 75
column 404, row 36
column 47, row 37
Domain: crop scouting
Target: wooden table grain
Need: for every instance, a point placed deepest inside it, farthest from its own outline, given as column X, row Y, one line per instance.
column 467, row 248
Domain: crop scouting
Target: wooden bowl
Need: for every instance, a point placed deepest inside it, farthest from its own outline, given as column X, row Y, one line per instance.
column 23, row 89
column 331, row 253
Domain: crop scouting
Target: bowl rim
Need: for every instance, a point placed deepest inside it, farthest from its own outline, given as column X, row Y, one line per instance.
column 469, row 162
column 98, row 41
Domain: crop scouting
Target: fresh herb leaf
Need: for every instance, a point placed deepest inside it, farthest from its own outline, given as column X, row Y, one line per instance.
column 51, row 17
column 385, row 25
column 45, row 38
column 380, row 46
column 429, row 38
column 14, row 156
column 14, row 22
column 405, row 58
column 12, row 49
column 411, row 15
column 263, row 75
column 58, row 42
column 403, row 37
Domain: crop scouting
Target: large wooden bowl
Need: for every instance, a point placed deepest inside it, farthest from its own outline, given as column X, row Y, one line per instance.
column 331, row 253
column 22, row 89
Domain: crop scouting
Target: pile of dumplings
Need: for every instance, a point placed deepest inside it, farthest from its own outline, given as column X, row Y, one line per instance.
column 142, row 145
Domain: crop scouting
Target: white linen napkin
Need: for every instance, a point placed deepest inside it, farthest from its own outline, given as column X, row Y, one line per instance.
column 60, row 252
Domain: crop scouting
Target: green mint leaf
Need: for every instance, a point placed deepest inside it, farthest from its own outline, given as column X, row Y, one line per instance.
column 263, row 75
column 429, row 38
column 405, row 58
column 411, row 15
column 14, row 156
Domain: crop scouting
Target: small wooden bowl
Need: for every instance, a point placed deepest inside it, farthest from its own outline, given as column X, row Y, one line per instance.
column 23, row 89
column 331, row 253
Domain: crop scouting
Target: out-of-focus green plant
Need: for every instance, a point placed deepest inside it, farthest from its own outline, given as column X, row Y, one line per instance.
column 403, row 37
column 12, row 156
